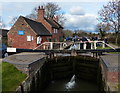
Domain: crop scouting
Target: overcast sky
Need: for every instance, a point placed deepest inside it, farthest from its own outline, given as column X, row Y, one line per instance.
column 80, row 14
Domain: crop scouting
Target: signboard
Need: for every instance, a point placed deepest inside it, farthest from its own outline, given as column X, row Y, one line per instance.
column 20, row 32
column 11, row 49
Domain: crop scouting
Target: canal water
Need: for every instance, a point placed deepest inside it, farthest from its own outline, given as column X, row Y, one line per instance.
column 68, row 73
column 72, row 84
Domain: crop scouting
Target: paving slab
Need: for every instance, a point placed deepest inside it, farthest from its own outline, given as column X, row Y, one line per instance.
column 24, row 58
column 112, row 62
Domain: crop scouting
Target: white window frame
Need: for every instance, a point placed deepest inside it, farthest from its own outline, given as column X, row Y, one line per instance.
column 55, row 30
column 32, row 38
column 39, row 39
column 29, row 38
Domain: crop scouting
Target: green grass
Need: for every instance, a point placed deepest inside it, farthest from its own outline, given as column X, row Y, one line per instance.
column 11, row 77
column 114, row 52
column 118, row 87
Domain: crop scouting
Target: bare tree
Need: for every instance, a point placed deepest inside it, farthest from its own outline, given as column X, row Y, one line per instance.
column 51, row 10
column 14, row 19
column 110, row 14
column 2, row 25
column 102, row 29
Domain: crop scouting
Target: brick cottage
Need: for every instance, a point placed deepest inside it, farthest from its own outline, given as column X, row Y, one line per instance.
column 29, row 34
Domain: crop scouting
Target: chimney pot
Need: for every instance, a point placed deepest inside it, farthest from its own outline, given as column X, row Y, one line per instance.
column 39, row 7
column 40, row 14
column 55, row 18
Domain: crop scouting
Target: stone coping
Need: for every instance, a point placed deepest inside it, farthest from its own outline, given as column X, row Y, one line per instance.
column 111, row 60
column 25, row 57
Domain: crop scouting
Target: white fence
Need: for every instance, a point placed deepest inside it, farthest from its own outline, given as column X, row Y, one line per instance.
column 70, row 45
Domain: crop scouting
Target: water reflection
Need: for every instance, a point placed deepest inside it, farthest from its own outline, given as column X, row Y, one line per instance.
column 75, row 85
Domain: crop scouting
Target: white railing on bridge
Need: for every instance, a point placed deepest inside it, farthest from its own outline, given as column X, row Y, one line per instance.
column 63, row 45
column 72, row 45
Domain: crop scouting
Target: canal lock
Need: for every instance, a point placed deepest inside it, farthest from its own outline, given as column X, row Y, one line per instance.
column 84, row 68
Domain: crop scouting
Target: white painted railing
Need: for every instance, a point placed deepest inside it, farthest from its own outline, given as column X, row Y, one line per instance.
column 62, row 45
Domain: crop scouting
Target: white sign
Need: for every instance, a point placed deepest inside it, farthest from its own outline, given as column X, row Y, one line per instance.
column 11, row 49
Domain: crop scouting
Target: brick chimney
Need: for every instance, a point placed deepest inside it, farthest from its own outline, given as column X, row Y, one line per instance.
column 40, row 14
column 55, row 18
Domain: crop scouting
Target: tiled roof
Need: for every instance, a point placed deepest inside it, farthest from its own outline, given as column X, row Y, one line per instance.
column 38, row 27
column 58, row 24
column 53, row 23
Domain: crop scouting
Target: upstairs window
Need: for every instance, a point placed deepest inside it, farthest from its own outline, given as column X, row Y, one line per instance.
column 55, row 30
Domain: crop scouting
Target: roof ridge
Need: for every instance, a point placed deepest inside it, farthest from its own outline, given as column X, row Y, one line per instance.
column 51, row 23
column 38, row 27
column 30, row 19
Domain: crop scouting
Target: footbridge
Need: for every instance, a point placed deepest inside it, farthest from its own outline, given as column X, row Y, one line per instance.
column 69, row 48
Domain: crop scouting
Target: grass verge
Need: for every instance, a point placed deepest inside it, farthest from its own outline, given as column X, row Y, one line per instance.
column 11, row 77
column 99, row 47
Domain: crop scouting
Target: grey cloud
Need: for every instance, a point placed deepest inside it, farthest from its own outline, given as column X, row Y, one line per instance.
column 85, row 22
column 77, row 11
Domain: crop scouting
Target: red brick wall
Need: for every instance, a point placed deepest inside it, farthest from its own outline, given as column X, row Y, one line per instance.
column 48, row 26
column 57, row 35
column 113, row 77
column 45, row 39
column 20, row 41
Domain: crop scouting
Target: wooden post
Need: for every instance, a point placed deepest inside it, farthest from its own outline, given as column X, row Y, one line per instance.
column 84, row 45
column 103, row 44
column 91, row 45
column 61, row 46
column 44, row 47
column 51, row 45
column 78, row 46
column 95, row 45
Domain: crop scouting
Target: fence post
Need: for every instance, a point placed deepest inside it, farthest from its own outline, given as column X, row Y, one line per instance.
column 60, row 46
column 84, row 45
column 78, row 46
column 91, row 45
column 95, row 45
column 51, row 45
column 103, row 44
